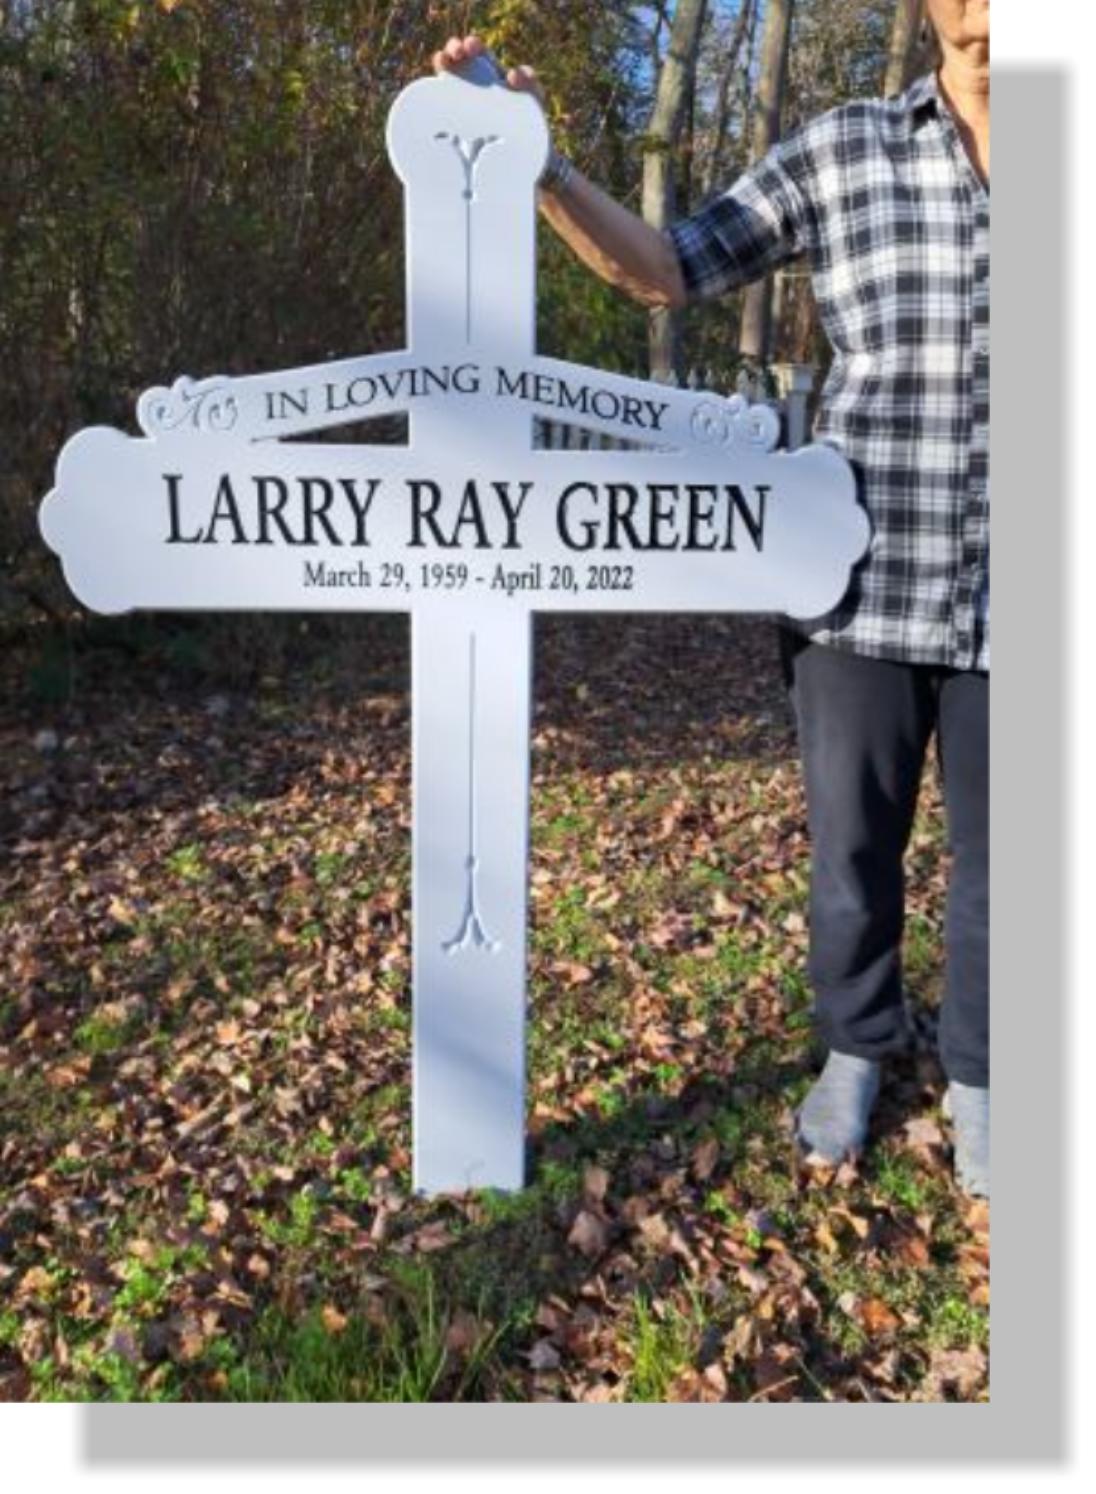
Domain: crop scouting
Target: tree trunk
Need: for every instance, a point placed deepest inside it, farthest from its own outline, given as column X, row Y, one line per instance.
column 756, row 331
column 675, row 81
column 723, row 96
column 905, row 31
column 687, row 154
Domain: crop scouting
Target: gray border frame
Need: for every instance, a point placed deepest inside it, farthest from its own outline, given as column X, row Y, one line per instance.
column 1026, row 1420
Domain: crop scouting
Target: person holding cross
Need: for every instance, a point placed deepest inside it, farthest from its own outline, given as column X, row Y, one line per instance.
column 889, row 200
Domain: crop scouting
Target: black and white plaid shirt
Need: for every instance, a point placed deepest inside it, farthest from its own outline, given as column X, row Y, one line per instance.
column 883, row 199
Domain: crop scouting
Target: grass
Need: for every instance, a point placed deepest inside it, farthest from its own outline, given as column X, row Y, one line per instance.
column 664, row 1339
column 955, row 1324
column 330, row 868
column 298, row 1230
column 397, row 1354
column 689, row 1022
column 99, row 1034
column 188, row 863
column 899, row 1181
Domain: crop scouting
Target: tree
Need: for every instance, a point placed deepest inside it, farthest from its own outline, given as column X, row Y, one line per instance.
column 729, row 68
column 905, row 30
column 676, row 80
column 756, row 330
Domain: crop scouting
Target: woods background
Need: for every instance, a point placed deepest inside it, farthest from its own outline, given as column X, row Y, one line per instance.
column 201, row 186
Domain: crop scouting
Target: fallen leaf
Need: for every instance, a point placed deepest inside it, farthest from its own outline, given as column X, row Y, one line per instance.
column 35, row 1283
column 589, row 1233
column 860, row 1226
column 884, row 1367
column 433, row 1236
column 846, row 1175
column 573, row 973
column 877, row 1317
column 229, row 1291
column 654, row 1231
column 123, row 1342
column 977, row 1216
column 595, row 1183
column 913, row 1250
column 924, row 1138
column 190, row 1338
column 549, row 1316
column 961, row 1370
column 690, row 1385
column 333, row 1320
column 218, row 1211
column 599, row 1393
column 544, row 1355
column 463, row 1332
column 774, row 1375
column 755, row 1282
column 738, row 1342
column 704, row 1157
column 825, row 1237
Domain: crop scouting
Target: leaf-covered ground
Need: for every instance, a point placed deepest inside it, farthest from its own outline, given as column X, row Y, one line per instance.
column 205, row 1051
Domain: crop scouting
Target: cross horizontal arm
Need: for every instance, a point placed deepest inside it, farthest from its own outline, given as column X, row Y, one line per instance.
column 178, row 523
column 286, row 402
column 324, row 396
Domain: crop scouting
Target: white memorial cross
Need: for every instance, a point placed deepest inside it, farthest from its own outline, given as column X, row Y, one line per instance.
column 471, row 530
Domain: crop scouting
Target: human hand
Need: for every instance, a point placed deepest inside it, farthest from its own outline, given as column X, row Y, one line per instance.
column 459, row 50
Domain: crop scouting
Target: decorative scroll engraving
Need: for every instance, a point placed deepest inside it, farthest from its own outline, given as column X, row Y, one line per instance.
column 207, row 405
column 469, row 153
column 719, row 422
column 472, row 931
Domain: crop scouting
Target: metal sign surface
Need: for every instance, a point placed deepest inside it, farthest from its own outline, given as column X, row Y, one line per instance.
column 471, row 530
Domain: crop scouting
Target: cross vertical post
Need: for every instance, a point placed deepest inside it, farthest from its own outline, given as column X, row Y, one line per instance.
column 470, row 858
column 471, row 256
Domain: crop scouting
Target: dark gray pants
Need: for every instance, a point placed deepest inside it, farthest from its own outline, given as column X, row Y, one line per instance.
column 864, row 729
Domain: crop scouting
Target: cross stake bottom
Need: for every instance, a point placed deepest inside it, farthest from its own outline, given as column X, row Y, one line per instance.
column 469, row 894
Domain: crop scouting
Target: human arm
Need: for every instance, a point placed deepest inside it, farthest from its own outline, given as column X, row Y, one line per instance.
column 762, row 221
column 616, row 244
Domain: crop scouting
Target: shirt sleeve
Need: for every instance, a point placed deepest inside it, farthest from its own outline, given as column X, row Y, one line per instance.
column 759, row 223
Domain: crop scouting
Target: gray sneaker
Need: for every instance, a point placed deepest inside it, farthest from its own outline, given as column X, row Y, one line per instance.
column 831, row 1126
column 967, row 1107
